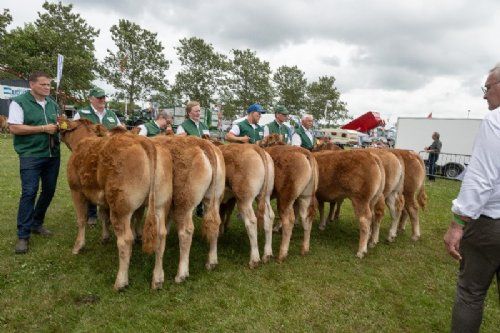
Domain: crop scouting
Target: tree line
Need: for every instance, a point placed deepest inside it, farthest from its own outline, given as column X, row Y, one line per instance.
column 137, row 67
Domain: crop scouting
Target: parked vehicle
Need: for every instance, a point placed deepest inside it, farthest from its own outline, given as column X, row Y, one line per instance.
column 457, row 136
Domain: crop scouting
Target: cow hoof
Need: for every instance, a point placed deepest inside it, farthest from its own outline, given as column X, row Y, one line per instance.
column 360, row 255
column 254, row 264
column 157, row 285
column 372, row 244
column 281, row 259
column 105, row 240
column 415, row 238
column 77, row 249
column 391, row 239
column 180, row 279
column 266, row 258
column 120, row 286
column 210, row 266
column 304, row 252
column 322, row 227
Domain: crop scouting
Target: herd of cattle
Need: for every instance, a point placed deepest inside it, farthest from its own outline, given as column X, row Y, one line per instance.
column 169, row 176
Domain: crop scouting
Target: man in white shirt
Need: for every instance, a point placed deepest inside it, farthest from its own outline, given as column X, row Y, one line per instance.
column 248, row 130
column 303, row 136
column 97, row 112
column 473, row 236
column 192, row 125
column 153, row 127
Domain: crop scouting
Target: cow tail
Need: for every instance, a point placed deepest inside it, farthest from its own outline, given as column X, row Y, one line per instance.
column 150, row 230
column 211, row 218
column 262, row 205
column 313, row 206
column 422, row 195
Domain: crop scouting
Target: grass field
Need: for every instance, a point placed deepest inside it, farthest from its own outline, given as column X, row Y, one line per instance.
column 401, row 287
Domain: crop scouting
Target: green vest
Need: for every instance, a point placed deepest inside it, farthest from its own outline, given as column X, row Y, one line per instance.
column 110, row 120
column 190, row 128
column 37, row 145
column 275, row 128
column 305, row 141
column 255, row 134
column 152, row 128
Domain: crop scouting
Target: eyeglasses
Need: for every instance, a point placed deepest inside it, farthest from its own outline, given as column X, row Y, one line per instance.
column 485, row 89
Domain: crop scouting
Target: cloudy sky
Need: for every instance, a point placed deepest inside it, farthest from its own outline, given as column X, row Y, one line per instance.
column 399, row 58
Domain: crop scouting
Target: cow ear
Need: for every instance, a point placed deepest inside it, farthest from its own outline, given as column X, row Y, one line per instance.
column 100, row 130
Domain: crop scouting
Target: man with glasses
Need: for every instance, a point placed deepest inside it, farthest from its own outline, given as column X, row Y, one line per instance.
column 473, row 236
column 97, row 114
column 33, row 122
column 278, row 126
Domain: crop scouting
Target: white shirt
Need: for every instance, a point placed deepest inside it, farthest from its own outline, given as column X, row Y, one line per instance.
column 480, row 190
column 99, row 115
column 143, row 130
column 296, row 141
column 16, row 114
column 235, row 129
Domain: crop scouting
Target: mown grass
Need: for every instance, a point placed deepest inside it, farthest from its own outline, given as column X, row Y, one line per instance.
column 401, row 287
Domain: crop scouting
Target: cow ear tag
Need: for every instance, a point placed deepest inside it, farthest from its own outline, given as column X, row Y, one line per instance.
column 63, row 125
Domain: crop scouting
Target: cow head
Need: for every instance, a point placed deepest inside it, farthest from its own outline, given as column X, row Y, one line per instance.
column 271, row 140
column 73, row 132
column 326, row 145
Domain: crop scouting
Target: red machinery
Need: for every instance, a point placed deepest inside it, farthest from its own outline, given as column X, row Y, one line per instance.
column 364, row 123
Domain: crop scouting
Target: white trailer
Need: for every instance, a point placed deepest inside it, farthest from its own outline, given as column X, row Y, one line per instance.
column 456, row 134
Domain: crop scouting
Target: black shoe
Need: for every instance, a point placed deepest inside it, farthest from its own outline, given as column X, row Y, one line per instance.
column 91, row 221
column 22, row 246
column 199, row 210
column 42, row 231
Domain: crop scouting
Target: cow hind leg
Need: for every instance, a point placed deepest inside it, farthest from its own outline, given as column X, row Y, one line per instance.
column 364, row 215
column 248, row 215
column 124, row 240
column 158, row 273
column 304, row 203
column 377, row 219
column 104, row 217
column 185, row 229
column 268, row 230
column 396, row 210
column 322, row 220
column 287, row 222
column 338, row 205
column 210, row 228
column 415, row 223
column 80, row 204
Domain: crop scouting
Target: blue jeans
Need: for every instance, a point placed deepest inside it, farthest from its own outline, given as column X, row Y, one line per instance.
column 33, row 170
column 91, row 211
column 432, row 166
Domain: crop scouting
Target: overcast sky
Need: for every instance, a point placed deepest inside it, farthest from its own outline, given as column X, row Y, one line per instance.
column 399, row 58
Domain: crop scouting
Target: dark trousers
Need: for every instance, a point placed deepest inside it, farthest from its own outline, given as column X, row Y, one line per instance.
column 91, row 211
column 33, row 170
column 480, row 250
column 432, row 166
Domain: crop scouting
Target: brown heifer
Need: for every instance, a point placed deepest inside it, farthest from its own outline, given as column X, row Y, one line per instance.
column 250, row 174
column 355, row 175
column 295, row 182
column 120, row 173
column 4, row 126
column 199, row 176
column 413, row 185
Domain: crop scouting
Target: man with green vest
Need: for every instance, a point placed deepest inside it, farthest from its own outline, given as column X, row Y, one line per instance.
column 303, row 136
column 248, row 130
column 33, row 122
column 153, row 127
column 97, row 114
column 192, row 125
column 278, row 126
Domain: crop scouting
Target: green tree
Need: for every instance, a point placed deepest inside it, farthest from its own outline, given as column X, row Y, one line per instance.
column 5, row 20
column 291, row 88
column 138, row 68
column 323, row 94
column 58, row 30
column 249, row 83
column 202, row 74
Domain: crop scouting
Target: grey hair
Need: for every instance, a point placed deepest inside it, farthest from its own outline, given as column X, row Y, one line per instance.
column 304, row 117
column 496, row 70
